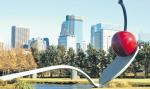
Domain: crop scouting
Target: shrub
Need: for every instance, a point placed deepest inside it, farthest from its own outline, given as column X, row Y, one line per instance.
column 118, row 84
column 3, row 83
column 23, row 85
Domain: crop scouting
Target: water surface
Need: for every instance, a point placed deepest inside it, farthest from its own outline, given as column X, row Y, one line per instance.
column 62, row 86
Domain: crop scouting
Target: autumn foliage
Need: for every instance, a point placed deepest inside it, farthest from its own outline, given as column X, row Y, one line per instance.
column 16, row 60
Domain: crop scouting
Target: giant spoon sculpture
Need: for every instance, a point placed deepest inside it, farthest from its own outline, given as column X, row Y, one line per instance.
column 123, row 44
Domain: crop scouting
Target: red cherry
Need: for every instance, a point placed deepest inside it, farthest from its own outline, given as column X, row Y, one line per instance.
column 124, row 43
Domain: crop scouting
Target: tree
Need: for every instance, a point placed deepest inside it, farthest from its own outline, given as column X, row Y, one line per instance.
column 61, row 54
column 50, row 58
column 70, row 60
column 61, row 58
column 12, row 60
column 22, row 63
column 16, row 60
column 92, row 61
column 102, row 61
column 111, row 55
column 70, row 57
column 144, row 58
column 80, row 59
column 31, row 61
column 37, row 56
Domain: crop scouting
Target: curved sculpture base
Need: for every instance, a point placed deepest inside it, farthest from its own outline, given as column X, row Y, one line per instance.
column 117, row 67
column 21, row 74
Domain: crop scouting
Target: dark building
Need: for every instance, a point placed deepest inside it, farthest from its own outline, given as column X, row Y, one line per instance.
column 46, row 40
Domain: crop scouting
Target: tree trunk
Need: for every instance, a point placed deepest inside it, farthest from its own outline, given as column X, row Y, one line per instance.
column 74, row 74
column 146, row 70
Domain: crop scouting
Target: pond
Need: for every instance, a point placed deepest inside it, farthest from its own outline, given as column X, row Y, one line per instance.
column 62, row 86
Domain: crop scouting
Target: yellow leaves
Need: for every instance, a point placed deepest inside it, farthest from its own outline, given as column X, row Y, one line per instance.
column 16, row 60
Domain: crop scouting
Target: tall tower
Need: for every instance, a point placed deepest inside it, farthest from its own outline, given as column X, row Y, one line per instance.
column 72, row 28
column 67, row 42
column 63, row 29
column 46, row 41
column 95, row 33
column 101, row 35
column 19, row 36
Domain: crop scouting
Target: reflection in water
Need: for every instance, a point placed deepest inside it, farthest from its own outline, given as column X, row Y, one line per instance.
column 62, row 86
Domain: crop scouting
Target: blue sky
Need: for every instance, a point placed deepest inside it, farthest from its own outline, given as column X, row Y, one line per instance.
column 44, row 17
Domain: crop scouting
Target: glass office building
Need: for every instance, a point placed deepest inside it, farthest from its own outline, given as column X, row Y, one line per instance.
column 67, row 42
column 101, row 35
column 72, row 27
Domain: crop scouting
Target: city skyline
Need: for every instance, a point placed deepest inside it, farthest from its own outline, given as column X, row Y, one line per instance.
column 44, row 18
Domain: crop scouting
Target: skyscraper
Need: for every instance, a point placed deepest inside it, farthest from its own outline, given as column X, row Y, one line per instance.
column 101, row 35
column 84, row 46
column 63, row 29
column 38, row 43
column 72, row 27
column 95, row 36
column 46, row 41
column 19, row 36
column 67, row 42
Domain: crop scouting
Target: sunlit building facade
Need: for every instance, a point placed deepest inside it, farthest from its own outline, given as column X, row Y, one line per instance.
column 84, row 46
column 101, row 35
column 72, row 28
column 38, row 43
column 19, row 36
column 46, row 42
column 67, row 42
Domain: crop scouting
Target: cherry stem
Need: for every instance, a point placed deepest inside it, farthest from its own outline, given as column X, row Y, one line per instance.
column 124, row 13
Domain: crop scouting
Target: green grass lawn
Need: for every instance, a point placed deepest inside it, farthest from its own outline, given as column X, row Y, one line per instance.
column 57, row 80
column 134, row 81
column 113, row 83
column 9, row 86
